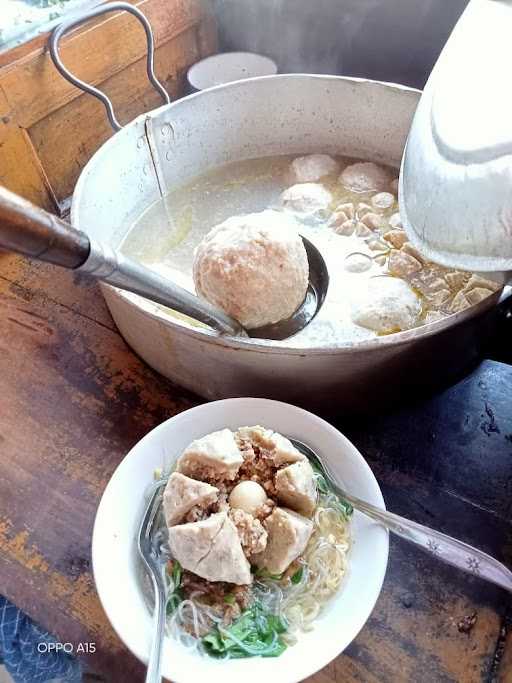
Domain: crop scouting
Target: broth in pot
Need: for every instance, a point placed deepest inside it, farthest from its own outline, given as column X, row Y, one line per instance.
column 379, row 284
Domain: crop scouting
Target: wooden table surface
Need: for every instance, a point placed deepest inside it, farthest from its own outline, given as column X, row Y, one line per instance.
column 74, row 399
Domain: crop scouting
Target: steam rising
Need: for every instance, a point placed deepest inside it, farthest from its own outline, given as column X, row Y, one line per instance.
column 394, row 40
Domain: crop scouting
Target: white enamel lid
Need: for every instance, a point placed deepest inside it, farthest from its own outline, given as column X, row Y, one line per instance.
column 455, row 188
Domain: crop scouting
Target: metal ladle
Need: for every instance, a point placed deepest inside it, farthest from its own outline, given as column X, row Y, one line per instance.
column 35, row 233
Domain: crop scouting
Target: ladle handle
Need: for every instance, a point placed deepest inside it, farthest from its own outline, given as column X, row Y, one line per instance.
column 30, row 231
column 77, row 19
column 33, row 232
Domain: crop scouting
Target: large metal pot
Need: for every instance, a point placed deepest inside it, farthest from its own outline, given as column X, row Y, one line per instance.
column 275, row 115
column 287, row 114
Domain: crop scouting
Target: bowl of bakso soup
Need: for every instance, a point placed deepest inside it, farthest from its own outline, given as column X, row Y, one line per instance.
column 270, row 574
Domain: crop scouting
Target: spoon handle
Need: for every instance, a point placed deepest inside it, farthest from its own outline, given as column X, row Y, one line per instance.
column 443, row 547
column 153, row 673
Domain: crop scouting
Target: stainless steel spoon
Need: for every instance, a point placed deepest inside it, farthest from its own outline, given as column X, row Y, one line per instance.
column 443, row 547
column 33, row 232
column 150, row 548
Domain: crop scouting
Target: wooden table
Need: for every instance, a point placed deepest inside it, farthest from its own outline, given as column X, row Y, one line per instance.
column 74, row 399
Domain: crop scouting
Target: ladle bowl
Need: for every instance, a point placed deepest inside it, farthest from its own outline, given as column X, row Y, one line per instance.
column 35, row 233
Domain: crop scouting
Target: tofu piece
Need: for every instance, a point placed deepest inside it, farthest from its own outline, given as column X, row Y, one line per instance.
column 396, row 237
column 182, row 493
column 215, row 456
column 280, row 448
column 474, row 296
column 459, row 303
column 288, row 536
column 407, row 248
column 296, row 488
column 456, row 279
column 477, row 281
column 211, row 549
column 401, row 263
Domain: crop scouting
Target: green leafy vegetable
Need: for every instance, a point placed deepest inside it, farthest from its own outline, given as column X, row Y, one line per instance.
column 255, row 633
column 175, row 575
column 344, row 507
column 262, row 573
column 173, row 602
column 229, row 599
column 296, row 578
column 176, row 593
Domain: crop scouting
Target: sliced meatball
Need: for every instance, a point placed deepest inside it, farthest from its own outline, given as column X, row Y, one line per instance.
column 253, row 536
column 288, row 536
column 215, row 456
column 183, row 493
column 211, row 549
column 296, row 488
column 277, row 446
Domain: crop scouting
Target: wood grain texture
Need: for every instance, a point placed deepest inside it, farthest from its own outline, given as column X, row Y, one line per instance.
column 94, row 52
column 74, row 399
column 130, row 95
column 49, row 129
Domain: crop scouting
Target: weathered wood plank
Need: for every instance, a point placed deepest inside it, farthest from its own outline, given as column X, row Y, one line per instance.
column 20, row 168
column 42, row 283
column 130, row 95
column 74, row 400
column 87, row 399
column 49, row 129
column 94, row 53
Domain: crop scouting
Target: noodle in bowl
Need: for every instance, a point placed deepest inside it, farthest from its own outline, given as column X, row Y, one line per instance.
column 342, row 567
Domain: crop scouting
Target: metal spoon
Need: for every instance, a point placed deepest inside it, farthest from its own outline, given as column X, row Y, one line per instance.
column 443, row 547
column 33, row 232
column 154, row 558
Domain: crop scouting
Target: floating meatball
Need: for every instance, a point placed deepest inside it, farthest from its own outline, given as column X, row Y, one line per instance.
column 386, row 305
column 365, row 177
column 254, row 267
column 383, row 200
column 313, row 167
column 309, row 201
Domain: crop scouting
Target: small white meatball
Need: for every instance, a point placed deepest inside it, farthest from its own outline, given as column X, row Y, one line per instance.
column 357, row 263
column 254, row 267
column 313, row 167
column 247, row 496
column 383, row 200
column 307, row 201
column 365, row 177
column 386, row 305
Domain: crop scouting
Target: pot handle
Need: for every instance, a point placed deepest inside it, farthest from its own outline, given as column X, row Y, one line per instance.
column 77, row 19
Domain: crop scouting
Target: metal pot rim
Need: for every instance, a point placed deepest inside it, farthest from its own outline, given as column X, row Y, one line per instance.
column 269, row 346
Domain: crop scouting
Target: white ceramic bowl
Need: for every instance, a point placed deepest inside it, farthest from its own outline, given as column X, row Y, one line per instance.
column 226, row 67
column 114, row 552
